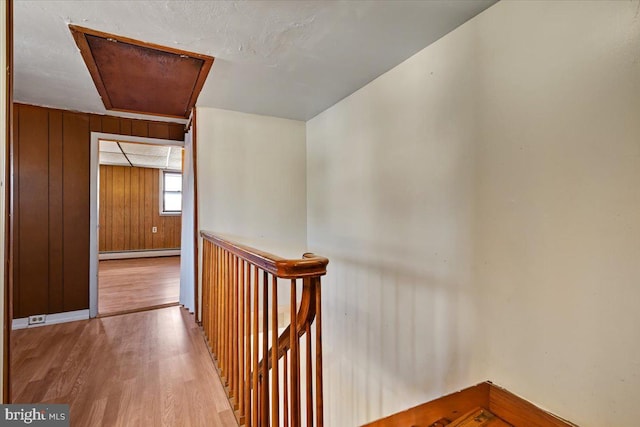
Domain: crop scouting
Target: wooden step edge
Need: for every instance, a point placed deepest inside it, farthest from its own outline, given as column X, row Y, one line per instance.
column 445, row 408
column 520, row 412
column 479, row 417
column 505, row 405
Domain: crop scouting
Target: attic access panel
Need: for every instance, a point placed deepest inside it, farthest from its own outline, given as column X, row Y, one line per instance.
column 139, row 77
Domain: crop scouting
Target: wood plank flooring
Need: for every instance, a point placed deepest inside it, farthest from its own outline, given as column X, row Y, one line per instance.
column 150, row 368
column 137, row 283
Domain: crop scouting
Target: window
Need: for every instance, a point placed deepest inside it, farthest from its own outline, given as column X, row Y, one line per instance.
column 171, row 197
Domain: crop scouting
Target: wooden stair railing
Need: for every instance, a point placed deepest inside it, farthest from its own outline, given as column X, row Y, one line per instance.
column 260, row 368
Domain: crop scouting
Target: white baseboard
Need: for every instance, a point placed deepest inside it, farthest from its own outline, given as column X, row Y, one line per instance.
column 139, row 254
column 52, row 319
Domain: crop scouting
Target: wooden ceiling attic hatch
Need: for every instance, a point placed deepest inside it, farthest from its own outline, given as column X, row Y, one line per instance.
column 139, row 77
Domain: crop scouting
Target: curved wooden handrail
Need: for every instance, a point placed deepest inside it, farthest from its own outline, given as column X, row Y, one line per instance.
column 306, row 315
column 307, row 266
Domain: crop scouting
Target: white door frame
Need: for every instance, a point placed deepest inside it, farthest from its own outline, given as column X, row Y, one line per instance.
column 93, row 222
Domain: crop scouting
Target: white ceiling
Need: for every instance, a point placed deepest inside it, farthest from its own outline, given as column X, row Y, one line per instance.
column 288, row 59
column 140, row 155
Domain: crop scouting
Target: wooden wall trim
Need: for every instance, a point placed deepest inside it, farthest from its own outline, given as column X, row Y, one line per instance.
column 196, row 226
column 15, row 218
column 8, row 236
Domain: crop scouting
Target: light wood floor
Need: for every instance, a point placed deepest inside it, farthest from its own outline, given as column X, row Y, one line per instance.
column 143, row 369
column 132, row 284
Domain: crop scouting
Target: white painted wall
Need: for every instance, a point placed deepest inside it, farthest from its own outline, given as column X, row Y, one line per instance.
column 480, row 206
column 252, row 180
column 3, row 160
column 390, row 203
column 251, row 176
column 557, row 250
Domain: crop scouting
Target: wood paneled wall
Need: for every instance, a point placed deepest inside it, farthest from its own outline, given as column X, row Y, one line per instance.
column 50, row 162
column 130, row 207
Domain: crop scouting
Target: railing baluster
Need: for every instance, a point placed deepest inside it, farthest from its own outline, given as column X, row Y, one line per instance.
column 211, row 290
column 234, row 331
column 219, row 307
column 247, row 341
column 214, row 321
column 214, row 290
column 223, row 307
column 230, row 328
column 223, row 329
column 241, row 337
column 239, row 354
column 295, row 360
column 229, row 317
column 319, row 402
column 285, row 389
column 227, row 329
column 210, row 266
column 275, row 386
column 265, row 349
column 256, row 397
column 207, row 321
column 213, row 309
column 309, row 372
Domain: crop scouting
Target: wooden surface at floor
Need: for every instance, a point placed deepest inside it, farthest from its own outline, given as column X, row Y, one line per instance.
column 142, row 369
column 131, row 284
column 478, row 417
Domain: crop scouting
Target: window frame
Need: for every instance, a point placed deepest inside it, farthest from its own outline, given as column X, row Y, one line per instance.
column 162, row 210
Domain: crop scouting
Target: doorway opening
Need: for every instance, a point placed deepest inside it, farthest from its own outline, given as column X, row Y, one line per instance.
column 140, row 209
column 137, row 213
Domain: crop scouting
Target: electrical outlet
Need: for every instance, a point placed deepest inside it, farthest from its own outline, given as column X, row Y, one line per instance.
column 154, row 229
column 38, row 318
